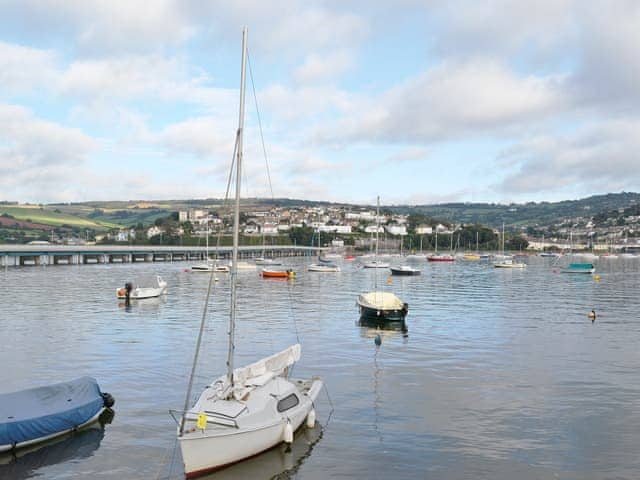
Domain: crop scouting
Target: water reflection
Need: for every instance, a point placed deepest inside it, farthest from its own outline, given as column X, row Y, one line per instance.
column 374, row 325
column 145, row 304
column 281, row 462
column 25, row 462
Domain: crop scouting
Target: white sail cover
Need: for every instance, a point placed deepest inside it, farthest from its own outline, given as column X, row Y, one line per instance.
column 270, row 366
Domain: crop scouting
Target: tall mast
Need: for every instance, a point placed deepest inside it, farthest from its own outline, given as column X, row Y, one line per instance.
column 236, row 213
column 375, row 275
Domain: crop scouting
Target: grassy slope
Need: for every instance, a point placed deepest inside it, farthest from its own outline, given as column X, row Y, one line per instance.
column 48, row 216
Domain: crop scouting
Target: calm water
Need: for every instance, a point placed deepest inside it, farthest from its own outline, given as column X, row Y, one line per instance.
column 501, row 375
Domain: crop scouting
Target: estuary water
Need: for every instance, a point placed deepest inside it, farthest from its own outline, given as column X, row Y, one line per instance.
column 501, row 374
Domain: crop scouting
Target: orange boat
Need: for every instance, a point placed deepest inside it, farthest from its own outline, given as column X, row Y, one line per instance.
column 277, row 273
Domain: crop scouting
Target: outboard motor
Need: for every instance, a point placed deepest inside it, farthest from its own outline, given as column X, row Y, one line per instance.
column 108, row 399
column 128, row 287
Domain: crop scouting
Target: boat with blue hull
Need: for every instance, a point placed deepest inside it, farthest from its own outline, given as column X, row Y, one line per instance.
column 586, row 268
column 42, row 413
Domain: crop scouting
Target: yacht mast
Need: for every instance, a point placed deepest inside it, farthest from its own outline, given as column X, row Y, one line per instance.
column 375, row 276
column 236, row 213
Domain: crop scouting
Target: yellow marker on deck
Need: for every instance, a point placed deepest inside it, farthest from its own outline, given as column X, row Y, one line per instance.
column 202, row 421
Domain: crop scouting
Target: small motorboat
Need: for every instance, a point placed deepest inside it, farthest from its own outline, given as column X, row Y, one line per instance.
column 405, row 270
column 587, row 268
column 38, row 414
column 267, row 261
column 210, row 267
column 438, row 257
column 382, row 306
column 509, row 263
column 266, row 273
column 136, row 292
column 324, row 267
column 375, row 264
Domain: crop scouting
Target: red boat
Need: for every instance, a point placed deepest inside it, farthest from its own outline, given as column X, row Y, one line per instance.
column 440, row 258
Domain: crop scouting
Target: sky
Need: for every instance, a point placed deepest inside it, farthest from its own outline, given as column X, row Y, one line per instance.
column 415, row 101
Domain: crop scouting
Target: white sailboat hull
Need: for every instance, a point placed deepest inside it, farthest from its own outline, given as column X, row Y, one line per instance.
column 219, row 446
column 208, row 453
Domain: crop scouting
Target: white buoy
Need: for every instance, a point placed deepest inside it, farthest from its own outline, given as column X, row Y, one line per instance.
column 311, row 419
column 288, row 433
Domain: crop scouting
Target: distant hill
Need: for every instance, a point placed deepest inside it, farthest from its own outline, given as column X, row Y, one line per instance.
column 116, row 214
column 535, row 214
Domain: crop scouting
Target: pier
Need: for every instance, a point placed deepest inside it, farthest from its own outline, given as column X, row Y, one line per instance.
column 31, row 255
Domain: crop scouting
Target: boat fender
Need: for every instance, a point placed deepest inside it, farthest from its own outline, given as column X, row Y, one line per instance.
column 378, row 313
column 311, row 419
column 107, row 399
column 288, row 432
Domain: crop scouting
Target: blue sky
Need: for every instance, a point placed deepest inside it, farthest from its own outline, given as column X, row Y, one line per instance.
column 415, row 101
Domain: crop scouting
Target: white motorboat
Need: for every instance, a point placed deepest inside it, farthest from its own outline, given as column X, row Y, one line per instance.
column 376, row 264
column 323, row 267
column 251, row 409
column 151, row 288
column 210, row 267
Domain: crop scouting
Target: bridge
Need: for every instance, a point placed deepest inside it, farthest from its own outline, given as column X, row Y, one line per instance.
column 26, row 255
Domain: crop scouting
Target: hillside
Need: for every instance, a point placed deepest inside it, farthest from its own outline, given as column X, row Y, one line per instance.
column 31, row 220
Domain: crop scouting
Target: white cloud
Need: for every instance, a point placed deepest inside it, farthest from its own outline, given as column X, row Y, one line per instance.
column 94, row 27
column 317, row 68
column 24, row 68
column 600, row 157
column 201, row 137
column 36, row 156
column 455, row 99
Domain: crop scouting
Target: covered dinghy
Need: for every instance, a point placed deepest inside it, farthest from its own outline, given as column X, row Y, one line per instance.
column 37, row 414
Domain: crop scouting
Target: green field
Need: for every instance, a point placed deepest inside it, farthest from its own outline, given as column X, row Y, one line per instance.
column 54, row 216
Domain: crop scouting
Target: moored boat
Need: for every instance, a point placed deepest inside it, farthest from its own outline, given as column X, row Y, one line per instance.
column 266, row 273
column 382, row 306
column 375, row 264
column 439, row 257
column 38, row 414
column 579, row 268
column 405, row 270
column 250, row 409
column 154, row 287
column 323, row 267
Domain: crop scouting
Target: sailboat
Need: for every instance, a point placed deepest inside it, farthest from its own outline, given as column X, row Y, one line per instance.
column 209, row 266
column 249, row 409
column 473, row 256
column 376, row 263
column 439, row 257
column 324, row 265
column 381, row 306
column 507, row 260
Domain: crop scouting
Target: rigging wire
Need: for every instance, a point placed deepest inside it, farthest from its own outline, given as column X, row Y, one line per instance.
column 255, row 99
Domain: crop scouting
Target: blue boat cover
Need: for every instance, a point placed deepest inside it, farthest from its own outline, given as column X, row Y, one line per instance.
column 38, row 412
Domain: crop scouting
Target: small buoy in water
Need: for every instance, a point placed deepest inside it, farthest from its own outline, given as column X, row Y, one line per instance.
column 596, row 278
column 186, row 269
column 377, row 340
column 389, row 280
column 311, row 419
column 592, row 315
column 288, row 433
